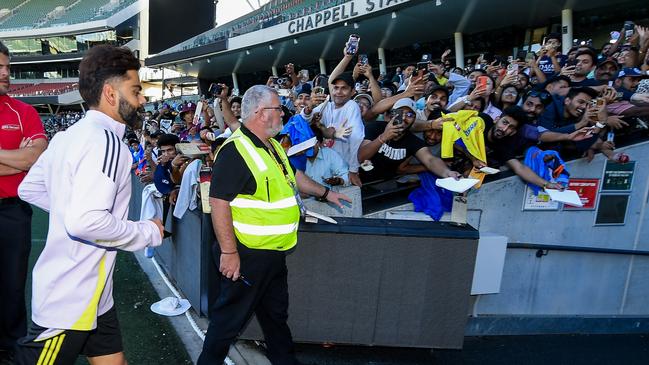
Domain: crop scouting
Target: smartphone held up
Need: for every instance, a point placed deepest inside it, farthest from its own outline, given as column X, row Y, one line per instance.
column 352, row 44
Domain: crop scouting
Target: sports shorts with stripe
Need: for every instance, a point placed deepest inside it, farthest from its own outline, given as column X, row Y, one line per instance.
column 43, row 346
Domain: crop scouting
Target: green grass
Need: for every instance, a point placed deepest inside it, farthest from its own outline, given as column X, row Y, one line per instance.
column 148, row 338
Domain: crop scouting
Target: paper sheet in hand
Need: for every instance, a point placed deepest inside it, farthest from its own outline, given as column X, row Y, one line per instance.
column 489, row 170
column 301, row 146
column 321, row 216
column 193, row 149
column 458, row 186
column 567, row 196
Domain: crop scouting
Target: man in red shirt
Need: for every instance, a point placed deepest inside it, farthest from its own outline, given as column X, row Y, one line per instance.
column 22, row 140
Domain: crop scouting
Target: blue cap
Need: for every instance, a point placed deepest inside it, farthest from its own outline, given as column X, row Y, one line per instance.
column 630, row 72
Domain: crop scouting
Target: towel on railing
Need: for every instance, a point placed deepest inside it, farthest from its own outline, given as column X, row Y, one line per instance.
column 151, row 203
column 187, row 196
column 298, row 130
column 548, row 165
column 430, row 198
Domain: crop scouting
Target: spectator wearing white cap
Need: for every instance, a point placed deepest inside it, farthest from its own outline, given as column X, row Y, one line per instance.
column 389, row 147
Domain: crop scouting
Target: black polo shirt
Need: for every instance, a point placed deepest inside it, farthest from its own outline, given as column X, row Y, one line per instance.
column 230, row 173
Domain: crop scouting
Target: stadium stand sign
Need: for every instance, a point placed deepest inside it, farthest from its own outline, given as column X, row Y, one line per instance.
column 339, row 13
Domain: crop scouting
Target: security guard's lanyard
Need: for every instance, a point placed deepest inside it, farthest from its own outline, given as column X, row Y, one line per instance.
column 276, row 158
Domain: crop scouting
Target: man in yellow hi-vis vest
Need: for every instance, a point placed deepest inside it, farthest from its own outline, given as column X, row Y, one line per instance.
column 255, row 203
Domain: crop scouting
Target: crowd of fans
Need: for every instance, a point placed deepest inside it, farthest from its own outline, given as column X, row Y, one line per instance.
column 60, row 122
column 527, row 114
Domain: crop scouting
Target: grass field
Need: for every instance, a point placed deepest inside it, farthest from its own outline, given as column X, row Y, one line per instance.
column 148, row 337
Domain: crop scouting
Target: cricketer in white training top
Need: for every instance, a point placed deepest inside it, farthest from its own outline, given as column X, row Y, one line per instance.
column 84, row 180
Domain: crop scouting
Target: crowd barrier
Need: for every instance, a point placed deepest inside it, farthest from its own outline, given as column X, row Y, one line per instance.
column 363, row 281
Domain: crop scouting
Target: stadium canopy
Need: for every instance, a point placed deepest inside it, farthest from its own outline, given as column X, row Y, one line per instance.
column 380, row 23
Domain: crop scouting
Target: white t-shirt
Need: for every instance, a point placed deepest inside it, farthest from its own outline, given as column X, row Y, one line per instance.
column 335, row 117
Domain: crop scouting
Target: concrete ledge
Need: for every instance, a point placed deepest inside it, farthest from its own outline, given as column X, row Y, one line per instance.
column 546, row 325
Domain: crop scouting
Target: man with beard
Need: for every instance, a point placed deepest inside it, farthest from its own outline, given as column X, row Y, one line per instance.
column 606, row 70
column 83, row 179
column 626, row 85
column 534, row 103
column 22, row 140
column 429, row 121
column 255, row 212
column 390, row 144
column 568, row 111
column 436, row 102
column 504, row 145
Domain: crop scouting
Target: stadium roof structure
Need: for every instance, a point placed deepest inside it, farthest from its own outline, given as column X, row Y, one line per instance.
column 34, row 18
column 380, row 23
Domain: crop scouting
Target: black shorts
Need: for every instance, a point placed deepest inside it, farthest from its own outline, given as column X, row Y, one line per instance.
column 63, row 348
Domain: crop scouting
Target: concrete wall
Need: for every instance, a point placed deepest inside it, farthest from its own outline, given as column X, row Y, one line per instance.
column 500, row 205
column 567, row 283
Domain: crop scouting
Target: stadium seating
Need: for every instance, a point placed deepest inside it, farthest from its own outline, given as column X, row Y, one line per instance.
column 42, row 89
column 10, row 4
column 272, row 13
column 15, row 88
column 28, row 15
column 33, row 14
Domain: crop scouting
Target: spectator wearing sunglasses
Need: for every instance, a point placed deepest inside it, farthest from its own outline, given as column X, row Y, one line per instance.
column 390, row 146
column 509, row 96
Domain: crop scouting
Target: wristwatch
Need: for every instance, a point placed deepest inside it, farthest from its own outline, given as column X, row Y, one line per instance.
column 323, row 198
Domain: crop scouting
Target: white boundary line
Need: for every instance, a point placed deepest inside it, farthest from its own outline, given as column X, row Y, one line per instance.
column 191, row 320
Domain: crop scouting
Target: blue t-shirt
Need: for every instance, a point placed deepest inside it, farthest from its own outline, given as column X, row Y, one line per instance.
column 626, row 94
column 586, row 82
column 546, row 66
column 162, row 178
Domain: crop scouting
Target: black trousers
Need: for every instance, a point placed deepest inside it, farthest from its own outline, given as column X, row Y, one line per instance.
column 266, row 297
column 15, row 245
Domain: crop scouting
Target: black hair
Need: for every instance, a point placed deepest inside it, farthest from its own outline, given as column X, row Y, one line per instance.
column 100, row 64
column 578, row 90
column 168, row 140
column 236, row 99
column 484, row 72
column 4, row 50
column 517, row 113
column 287, row 114
column 554, row 35
column 519, row 93
column 438, row 88
column 544, row 96
column 558, row 78
column 483, row 104
column 588, row 52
